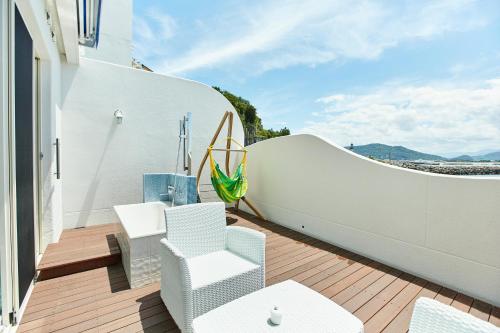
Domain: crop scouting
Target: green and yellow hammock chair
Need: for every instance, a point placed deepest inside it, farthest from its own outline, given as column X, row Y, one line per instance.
column 229, row 188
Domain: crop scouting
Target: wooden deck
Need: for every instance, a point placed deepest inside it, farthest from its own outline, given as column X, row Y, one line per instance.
column 80, row 250
column 100, row 300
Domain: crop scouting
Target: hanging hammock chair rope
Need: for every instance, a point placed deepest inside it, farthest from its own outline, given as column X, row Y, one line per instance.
column 229, row 188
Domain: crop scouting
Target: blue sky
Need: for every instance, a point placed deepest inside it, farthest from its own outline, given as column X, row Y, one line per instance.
column 423, row 74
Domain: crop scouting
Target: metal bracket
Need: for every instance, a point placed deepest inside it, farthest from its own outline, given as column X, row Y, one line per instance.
column 13, row 318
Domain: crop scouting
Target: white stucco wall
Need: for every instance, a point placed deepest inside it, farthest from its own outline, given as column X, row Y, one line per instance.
column 102, row 161
column 443, row 228
column 115, row 34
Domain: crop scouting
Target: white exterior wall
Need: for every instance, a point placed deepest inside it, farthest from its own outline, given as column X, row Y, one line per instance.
column 443, row 228
column 103, row 162
column 115, row 34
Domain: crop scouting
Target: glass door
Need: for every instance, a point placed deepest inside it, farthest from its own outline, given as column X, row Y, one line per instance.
column 24, row 152
column 20, row 130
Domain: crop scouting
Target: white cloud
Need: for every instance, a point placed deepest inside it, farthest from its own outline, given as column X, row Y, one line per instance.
column 331, row 99
column 166, row 25
column 282, row 33
column 434, row 118
column 151, row 32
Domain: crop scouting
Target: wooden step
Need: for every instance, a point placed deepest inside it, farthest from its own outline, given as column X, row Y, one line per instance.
column 79, row 250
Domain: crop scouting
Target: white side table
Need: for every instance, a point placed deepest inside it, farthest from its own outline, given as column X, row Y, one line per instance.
column 304, row 310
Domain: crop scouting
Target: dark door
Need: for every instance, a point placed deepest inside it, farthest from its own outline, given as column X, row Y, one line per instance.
column 23, row 97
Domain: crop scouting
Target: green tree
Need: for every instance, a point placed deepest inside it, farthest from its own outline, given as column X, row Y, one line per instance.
column 251, row 121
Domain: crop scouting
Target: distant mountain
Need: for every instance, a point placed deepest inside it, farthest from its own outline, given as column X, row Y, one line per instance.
column 400, row 153
column 452, row 154
column 495, row 156
column 385, row 152
column 461, row 158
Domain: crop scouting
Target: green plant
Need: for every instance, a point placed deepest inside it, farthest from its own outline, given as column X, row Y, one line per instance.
column 250, row 119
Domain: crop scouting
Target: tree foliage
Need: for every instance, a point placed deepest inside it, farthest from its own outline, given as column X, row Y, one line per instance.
column 248, row 115
column 270, row 133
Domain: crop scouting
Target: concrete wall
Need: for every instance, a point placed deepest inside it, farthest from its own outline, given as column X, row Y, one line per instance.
column 443, row 228
column 115, row 36
column 103, row 162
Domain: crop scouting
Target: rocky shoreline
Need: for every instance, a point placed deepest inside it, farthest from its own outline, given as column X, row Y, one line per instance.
column 459, row 170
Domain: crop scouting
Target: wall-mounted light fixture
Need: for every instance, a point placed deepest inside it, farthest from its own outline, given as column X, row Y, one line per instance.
column 119, row 116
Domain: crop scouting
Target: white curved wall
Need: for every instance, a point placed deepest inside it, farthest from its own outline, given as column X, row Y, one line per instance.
column 103, row 162
column 443, row 228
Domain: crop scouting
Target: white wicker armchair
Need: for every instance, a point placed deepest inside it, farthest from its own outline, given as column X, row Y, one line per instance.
column 205, row 264
column 431, row 316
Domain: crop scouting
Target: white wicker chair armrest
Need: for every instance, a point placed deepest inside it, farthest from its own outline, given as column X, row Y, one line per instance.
column 176, row 290
column 177, row 271
column 248, row 243
column 171, row 249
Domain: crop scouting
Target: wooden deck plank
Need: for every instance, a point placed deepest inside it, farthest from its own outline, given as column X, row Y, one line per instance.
column 340, row 262
column 293, row 249
column 374, row 305
column 78, row 311
column 100, row 300
column 446, row 296
column 79, row 250
column 280, row 262
column 368, row 293
column 359, row 285
column 341, row 285
column 462, row 302
column 401, row 322
column 387, row 314
column 156, row 323
column 69, row 310
column 297, row 273
column 480, row 309
column 93, row 230
column 298, row 247
column 77, row 284
column 495, row 316
column 330, row 280
column 63, row 296
column 293, row 265
column 310, row 272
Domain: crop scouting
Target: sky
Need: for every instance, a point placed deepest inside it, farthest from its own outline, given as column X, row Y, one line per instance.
column 422, row 74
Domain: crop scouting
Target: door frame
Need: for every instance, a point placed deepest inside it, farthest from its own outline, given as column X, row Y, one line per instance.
column 11, row 307
column 10, row 299
column 20, row 306
column 6, row 230
column 37, row 152
column 13, row 318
